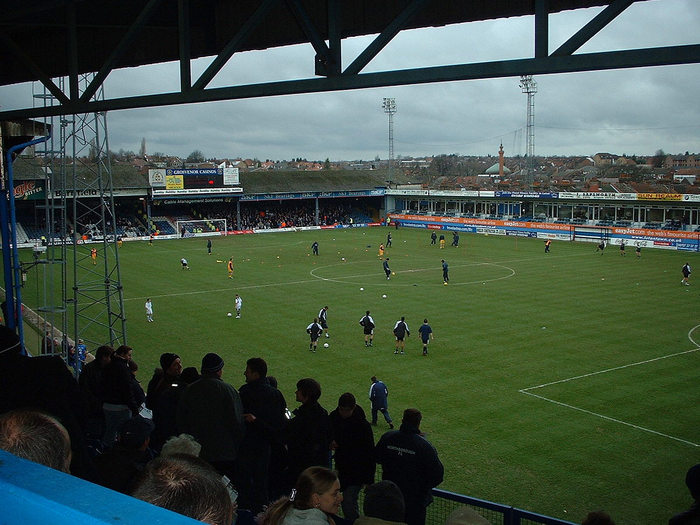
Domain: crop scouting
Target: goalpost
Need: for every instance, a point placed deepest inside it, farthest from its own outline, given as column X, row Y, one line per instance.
column 202, row 227
column 590, row 233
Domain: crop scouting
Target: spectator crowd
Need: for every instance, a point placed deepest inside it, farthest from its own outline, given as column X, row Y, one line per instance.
column 198, row 446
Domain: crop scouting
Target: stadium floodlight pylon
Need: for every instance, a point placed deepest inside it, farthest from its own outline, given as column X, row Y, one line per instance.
column 202, row 227
column 80, row 217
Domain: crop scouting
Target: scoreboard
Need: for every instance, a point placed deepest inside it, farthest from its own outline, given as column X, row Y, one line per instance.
column 202, row 181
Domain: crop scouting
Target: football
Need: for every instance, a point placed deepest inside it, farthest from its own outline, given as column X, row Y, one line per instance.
column 393, row 273
column 384, row 296
column 229, row 314
column 326, row 345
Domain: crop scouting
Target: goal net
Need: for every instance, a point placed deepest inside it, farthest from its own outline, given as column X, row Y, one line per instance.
column 203, row 227
column 590, row 233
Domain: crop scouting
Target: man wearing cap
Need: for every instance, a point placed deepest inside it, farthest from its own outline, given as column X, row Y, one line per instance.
column 211, row 411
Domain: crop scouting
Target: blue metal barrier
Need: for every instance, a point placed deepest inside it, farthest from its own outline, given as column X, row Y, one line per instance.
column 32, row 493
column 497, row 514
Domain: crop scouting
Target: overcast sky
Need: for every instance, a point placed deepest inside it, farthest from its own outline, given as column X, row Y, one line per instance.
column 632, row 111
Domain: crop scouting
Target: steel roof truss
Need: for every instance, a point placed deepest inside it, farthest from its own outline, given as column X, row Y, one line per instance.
column 234, row 44
column 384, row 37
column 588, row 31
column 122, row 46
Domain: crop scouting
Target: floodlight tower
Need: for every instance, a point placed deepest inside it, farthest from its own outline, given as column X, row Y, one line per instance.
column 529, row 87
column 389, row 105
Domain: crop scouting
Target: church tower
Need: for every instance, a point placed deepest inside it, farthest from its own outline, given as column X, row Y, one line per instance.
column 500, row 161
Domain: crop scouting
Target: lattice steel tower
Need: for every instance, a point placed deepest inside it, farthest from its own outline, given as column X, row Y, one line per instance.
column 529, row 86
column 389, row 105
column 82, row 295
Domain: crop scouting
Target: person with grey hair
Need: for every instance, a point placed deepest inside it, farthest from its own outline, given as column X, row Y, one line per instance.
column 466, row 516
column 36, row 436
column 187, row 485
column 182, row 444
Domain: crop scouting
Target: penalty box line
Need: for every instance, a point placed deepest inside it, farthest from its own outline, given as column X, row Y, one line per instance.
column 528, row 391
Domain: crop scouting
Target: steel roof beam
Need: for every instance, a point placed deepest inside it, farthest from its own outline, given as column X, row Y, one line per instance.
column 587, row 32
column 234, row 44
column 660, row 56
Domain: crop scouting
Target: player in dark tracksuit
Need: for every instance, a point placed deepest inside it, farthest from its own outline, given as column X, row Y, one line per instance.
column 387, row 270
column 401, row 331
column 323, row 319
column 686, row 273
column 445, row 272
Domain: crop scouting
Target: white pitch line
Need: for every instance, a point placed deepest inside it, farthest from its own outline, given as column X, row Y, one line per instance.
column 608, row 418
column 216, row 290
column 524, row 390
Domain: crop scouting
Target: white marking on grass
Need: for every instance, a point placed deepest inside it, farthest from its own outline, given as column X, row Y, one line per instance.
column 344, row 279
column 228, row 289
column 608, row 418
column 691, row 337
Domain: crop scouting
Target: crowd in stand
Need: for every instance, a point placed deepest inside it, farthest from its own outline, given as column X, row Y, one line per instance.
column 288, row 216
column 196, row 445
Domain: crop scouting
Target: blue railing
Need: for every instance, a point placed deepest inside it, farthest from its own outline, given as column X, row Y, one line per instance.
column 32, row 493
column 446, row 502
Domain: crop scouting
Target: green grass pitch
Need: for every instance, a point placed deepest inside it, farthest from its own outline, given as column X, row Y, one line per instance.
column 559, row 383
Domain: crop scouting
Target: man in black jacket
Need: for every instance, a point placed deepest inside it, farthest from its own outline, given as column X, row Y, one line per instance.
column 308, row 433
column 353, row 446
column 119, row 401
column 411, row 462
column 264, row 411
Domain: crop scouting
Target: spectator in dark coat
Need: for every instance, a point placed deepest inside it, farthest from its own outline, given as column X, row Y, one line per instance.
column 46, row 384
column 165, row 379
column 411, row 462
column 119, row 401
column 90, row 381
column 692, row 515
column 135, row 385
column 308, row 434
column 264, row 413
column 210, row 410
column 353, row 446
column 120, row 466
column 165, row 408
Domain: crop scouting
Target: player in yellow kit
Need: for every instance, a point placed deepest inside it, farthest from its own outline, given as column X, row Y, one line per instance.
column 229, row 266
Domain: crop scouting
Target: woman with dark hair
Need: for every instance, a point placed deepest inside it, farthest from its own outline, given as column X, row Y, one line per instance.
column 314, row 499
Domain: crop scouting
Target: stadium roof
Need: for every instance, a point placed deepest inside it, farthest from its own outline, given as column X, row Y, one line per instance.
column 47, row 39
